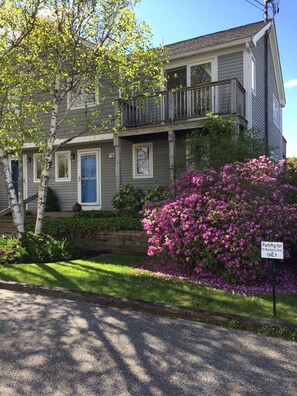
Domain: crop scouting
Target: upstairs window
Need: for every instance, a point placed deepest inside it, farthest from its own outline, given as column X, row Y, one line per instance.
column 83, row 95
column 176, row 78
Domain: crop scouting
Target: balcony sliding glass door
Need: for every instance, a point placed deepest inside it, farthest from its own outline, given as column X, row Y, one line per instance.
column 189, row 103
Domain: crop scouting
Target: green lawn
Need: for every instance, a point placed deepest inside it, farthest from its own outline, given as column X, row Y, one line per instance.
column 116, row 275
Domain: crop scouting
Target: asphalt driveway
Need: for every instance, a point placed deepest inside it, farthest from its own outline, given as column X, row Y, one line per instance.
column 58, row 347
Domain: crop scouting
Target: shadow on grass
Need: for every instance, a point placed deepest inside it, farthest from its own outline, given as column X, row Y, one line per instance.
column 115, row 275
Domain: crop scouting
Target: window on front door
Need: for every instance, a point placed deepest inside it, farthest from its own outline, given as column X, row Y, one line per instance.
column 89, row 191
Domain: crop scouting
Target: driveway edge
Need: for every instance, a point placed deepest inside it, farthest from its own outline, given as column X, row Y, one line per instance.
column 218, row 318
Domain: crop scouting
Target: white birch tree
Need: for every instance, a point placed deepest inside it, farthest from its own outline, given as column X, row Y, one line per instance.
column 96, row 45
column 16, row 24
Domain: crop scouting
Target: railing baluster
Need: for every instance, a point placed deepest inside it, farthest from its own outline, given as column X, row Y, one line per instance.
column 222, row 97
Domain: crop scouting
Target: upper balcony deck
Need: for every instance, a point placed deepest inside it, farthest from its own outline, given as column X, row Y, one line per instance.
column 185, row 104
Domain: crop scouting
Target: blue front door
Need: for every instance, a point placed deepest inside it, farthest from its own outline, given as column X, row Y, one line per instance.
column 88, row 178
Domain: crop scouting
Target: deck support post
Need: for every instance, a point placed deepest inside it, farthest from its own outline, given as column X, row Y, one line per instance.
column 117, row 142
column 171, row 142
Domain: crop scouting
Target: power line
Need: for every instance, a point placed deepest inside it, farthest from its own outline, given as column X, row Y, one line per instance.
column 270, row 6
column 253, row 4
column 261, row 4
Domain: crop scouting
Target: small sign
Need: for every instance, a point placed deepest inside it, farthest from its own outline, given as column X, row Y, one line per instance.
column 272, row 250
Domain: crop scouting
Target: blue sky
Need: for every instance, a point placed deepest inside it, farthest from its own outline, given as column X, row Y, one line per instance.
column 177, row 20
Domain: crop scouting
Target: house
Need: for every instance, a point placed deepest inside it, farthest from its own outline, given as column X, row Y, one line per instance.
column 233, row 72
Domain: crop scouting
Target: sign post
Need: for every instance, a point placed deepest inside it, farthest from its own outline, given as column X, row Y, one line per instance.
column 272, row 251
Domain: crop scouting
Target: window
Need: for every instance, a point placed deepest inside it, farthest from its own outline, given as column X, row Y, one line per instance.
column 176, row 78
column 200, row 74
column 63, row 166
column 37, row 167
column 253, row 75
column 276, row 112
column 14, row 100
column 83, row 95
column 143, row 160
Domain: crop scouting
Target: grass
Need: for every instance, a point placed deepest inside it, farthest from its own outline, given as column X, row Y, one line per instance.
column 115, row 275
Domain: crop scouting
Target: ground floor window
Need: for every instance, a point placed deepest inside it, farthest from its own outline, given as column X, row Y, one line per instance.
column 63, row 166
column 143, row 160
column 37, row 167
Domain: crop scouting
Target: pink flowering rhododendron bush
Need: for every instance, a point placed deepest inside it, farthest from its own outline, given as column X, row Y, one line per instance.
column 217, row 219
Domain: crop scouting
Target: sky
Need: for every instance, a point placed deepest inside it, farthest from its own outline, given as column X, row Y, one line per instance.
column 177, row 20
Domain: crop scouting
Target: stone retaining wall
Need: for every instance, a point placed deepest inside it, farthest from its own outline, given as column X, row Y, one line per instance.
column 122, row 242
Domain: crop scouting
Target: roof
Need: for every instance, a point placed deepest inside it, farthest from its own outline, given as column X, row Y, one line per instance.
column 222, row 37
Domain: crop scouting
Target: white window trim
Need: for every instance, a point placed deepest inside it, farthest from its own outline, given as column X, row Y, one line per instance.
column 134, row 159
column 35, row 158
column 62, row 179
column 86, row 105
column 202, row 62
column 254, row 74
column 93, row 205
column 213, row 59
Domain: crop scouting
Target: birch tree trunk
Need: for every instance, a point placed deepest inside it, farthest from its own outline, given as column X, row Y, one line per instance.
column 12, row 198
column 21, row 188
column 48, row 159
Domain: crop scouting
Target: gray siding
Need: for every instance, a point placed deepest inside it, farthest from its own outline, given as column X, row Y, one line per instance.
column 258, row 99
column 77, row 121
column 161, row 170
column 67, row 191
column 231, row 66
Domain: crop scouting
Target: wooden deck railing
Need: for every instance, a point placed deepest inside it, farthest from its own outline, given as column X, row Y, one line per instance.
column 27, row 200
column 221, row 97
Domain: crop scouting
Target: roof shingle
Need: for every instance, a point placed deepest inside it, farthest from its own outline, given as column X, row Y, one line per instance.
column 222, row 37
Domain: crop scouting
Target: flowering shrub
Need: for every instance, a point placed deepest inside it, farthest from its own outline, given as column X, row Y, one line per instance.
column 218, row 219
